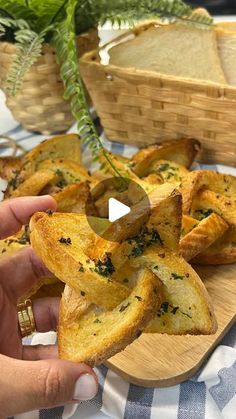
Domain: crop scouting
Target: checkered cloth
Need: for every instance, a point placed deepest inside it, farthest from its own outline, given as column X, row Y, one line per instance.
column 210, row 394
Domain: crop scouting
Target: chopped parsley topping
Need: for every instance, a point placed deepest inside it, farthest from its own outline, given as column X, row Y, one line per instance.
column 203, row 213
column 175, row 276
column 15, row 181
column 97, row 321
column 58, row 172
column 65, row 241
column 4, row 250
column 81, row 268
column 166, row 307
column 174, row 309
column 163, row 167
column 138, row 298
column 24, row 239
column 106, row 267
column 124, row 307
column 125, row 280
column 82, row 293
column 62, row 183
column 49, row 211
column 144, row 239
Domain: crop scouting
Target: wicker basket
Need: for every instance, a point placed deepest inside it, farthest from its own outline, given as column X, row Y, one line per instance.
column 40, row 106
column 141, row 107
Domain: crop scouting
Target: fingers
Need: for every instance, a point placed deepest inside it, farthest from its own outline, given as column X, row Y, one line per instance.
column 29, row 385
column 21, row 271
column 46, row 313
column 16, row 212
column 38, row 352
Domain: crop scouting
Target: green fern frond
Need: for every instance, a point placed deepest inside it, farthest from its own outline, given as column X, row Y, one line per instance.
column 133, row 10
column 12, row 23
column 28, row 49
column 66, row 52
column 17, row 10
column 48, row 12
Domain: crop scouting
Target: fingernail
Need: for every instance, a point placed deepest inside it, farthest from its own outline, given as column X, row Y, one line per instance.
column 85, row 388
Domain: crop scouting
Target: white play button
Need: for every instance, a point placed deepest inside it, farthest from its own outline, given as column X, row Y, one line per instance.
column 116, row 209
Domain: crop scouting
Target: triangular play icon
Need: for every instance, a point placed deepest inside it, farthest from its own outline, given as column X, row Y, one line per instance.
column 116, row 209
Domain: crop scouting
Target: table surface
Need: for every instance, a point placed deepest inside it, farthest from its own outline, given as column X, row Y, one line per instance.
column 106, row 33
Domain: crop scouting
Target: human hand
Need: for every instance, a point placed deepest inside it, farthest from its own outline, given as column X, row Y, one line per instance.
column 32, row 377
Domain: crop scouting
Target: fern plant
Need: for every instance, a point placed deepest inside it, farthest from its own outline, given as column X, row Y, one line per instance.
column 30, row 23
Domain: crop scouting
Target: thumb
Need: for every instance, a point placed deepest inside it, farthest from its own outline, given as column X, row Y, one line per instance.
column 29, row 385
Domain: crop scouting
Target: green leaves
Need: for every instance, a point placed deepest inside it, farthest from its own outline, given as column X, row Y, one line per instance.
column 28, row 49
column 30, row 23
column 12, row 23
column 17, row 9
column 132, row 10
column 66, row 52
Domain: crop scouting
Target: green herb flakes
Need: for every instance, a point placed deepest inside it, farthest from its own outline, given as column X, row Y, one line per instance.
column 65, row 241
column 106, row 267
column 176, row 276
column 81, row 268
column 124, row 307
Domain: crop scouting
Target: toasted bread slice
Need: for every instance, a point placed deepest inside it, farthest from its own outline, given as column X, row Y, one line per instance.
column 9, row 246
column 36, row 183
column 74, row 198
column 188, row 223
column 206, row 202
column 66, row 146
column 93, row 337
column 44, row 287
column 206, row 179
column 67, row 236
column 222, row 251
column 16, row 242
column 126, row 172
column 182, row 152
column 186, row 306
column 161, row 211
column 9, row 166
column 171, row 172
column 220, row 256
column 69, row 170
column 202, row 236
column 49, row 290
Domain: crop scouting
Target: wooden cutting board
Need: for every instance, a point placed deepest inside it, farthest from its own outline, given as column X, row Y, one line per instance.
column 156, row 360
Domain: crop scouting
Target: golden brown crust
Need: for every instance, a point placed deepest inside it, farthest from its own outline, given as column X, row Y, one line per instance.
column 207, row 201
column 203, row 180
column 93, row 338
column 222, row 251
column 9, row 166
column 65, row 146
column 187, row 307
column 162, row 211
column 202, row 236
column 74, row 198
column 225, row 256
column 35, row 184
column 68, row 262
column 182, row 151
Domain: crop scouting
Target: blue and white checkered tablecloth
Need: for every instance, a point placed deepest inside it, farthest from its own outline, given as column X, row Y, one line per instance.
column 210, row 394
